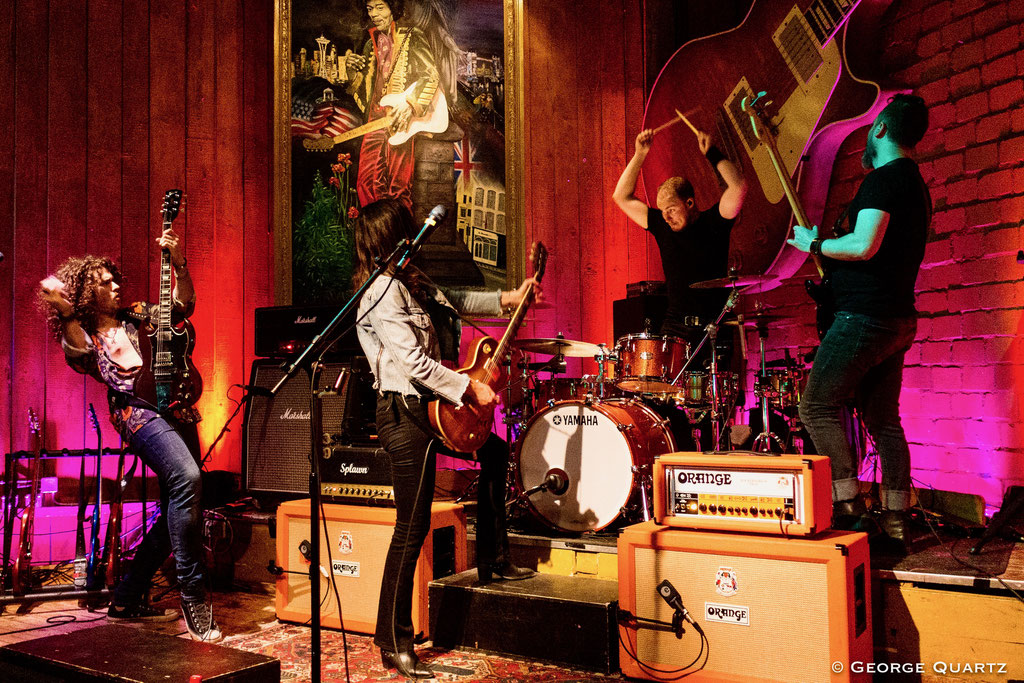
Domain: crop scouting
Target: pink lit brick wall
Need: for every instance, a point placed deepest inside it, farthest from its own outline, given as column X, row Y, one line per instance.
column 964, row 380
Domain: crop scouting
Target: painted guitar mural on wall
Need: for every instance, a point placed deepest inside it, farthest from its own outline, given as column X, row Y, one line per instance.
column 800, row 52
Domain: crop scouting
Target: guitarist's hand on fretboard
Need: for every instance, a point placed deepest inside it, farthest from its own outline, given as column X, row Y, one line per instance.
column 802, row 237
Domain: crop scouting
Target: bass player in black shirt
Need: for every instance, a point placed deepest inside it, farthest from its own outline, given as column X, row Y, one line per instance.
column 873, row 269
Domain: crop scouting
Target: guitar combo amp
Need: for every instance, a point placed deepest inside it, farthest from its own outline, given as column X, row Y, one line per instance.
column 283, row 331
column 276, row 448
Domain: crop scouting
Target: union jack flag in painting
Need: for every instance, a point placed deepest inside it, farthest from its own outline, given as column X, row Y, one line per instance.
column 465, row 161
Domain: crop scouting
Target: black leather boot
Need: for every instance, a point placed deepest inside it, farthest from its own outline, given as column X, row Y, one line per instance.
column 847, row 514
column 407, row 664
column 502, row 571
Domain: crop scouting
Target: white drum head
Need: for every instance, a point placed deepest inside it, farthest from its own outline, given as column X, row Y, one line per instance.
column 587, row 445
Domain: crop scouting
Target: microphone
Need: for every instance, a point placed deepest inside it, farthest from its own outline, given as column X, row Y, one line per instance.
column 437, row 215
column 556, row 483
column 670, row 595
column 256, row 390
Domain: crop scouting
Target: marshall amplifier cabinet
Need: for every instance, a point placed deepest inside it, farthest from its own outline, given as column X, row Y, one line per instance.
column 276, row 430
column 789, row 495
column 772, row 609
column 286, row 330
column 354, row 474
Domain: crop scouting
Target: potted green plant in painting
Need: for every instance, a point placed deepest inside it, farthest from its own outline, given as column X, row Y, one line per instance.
column 322, row 242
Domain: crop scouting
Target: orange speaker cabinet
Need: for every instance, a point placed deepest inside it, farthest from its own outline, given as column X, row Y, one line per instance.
column 359, row 537
column 773, row 609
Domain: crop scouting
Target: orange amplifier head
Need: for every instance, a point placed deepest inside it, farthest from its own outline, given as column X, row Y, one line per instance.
column 789, row 495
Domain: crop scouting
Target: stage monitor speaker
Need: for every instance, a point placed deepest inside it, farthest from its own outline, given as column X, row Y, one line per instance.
column 773, row 609
column 637, row 314
column 275, row 454
column 359, row 537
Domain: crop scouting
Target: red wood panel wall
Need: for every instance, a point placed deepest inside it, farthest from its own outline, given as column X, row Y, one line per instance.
column 107, row 105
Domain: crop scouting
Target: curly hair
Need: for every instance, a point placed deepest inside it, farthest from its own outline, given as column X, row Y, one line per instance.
column 80, row 275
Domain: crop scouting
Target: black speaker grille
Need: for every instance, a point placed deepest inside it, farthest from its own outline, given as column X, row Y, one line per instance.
column 276, row 453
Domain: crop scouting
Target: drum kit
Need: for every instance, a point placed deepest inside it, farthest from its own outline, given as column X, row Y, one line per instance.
column 584, row 447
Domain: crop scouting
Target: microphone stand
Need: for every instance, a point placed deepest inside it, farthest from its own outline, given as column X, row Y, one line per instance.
column 310, row 360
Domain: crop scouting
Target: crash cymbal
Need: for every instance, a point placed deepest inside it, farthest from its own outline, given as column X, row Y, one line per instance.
column 732, row 281
column 755, row 319
column 558, row 347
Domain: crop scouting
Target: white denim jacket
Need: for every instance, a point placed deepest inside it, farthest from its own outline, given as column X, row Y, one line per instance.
column 402, row 345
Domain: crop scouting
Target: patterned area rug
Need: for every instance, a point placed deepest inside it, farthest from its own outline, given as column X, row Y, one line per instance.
column 291, row 644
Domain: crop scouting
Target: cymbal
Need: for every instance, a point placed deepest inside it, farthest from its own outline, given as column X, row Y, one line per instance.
column 755, row 319
column 558, row 347
column 732, row 281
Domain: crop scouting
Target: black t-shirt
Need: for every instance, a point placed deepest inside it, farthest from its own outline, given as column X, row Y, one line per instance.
column 700, row 251
column 883, row 286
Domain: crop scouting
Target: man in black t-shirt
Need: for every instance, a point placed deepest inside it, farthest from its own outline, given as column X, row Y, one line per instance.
column 694, row 244
column 873, row 270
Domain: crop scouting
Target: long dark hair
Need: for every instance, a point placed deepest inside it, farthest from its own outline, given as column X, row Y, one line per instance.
column 379, row 228
column 81, row 277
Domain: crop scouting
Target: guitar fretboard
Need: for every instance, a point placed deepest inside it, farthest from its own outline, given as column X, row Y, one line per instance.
column 826, row 16
column 162, row 356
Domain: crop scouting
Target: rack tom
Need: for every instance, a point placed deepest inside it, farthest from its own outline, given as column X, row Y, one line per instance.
column 648, row 364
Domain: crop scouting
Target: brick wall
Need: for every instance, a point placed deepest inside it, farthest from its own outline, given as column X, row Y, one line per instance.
column 964, row 379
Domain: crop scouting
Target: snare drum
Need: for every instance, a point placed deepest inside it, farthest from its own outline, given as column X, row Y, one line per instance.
column 594, row 448
column 648, row 364
column 569, row 388
column 696, row 391
column 782, row 387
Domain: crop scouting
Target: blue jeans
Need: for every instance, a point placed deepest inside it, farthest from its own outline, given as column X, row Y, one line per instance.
column 177, row 528
column 861, row 360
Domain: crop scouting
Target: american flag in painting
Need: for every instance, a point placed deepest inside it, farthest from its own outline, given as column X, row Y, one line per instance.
column 313, row 119
column 465, row 161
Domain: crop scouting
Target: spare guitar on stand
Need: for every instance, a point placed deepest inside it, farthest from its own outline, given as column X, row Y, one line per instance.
column 22, row 577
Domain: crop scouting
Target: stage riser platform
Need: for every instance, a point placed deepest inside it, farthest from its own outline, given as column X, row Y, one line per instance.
column 116, row 652
column 558, row 619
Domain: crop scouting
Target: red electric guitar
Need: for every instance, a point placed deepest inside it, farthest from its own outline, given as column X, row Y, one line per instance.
column 465, row 428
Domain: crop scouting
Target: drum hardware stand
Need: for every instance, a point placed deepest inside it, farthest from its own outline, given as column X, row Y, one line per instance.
column 601, row 359
column 643, row 472
column 712, row 334
column 763, row 441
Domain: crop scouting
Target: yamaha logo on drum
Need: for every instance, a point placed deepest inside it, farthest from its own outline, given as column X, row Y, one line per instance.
column 575, row 420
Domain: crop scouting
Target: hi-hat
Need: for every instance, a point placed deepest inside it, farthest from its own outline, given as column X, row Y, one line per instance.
column 559, row 347
column 732, row 281
column 755, row 319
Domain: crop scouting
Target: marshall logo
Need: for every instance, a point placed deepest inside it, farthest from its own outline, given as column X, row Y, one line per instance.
column 305, row 320
column 716, row 478
column 727, row 614
column 290, row 414
column 351, row 468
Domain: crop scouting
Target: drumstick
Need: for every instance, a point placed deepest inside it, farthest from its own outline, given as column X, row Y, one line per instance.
column 665, row 125
column 687, row 122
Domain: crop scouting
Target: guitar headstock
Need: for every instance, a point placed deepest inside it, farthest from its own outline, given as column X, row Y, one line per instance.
column 33, row 422
column 171, row 206
column 539, row 259
column 93, row 419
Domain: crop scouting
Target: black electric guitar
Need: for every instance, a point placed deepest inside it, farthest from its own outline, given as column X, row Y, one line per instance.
column 821, row 291
column 112, row 548
column 170, row 381
column 465, row 428
column 22, row 575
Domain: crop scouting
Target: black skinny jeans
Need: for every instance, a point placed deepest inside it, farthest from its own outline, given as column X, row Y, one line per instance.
column 403, row 429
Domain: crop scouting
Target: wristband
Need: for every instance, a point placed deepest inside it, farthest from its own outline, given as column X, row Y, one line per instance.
column 815, row 248
column 714, row 155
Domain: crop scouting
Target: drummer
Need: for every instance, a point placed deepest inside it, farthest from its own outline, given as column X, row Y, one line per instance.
column 694, row 244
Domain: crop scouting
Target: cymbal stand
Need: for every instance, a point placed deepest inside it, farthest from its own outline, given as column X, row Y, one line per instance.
column 711, row 335
column 763, row 441
column 602, row 358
